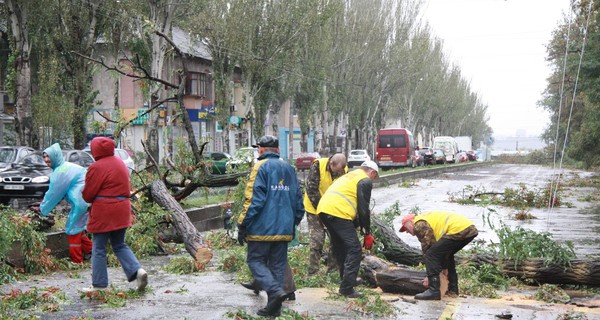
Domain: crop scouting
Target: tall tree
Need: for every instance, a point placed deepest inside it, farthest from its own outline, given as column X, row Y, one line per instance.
column 19, row 18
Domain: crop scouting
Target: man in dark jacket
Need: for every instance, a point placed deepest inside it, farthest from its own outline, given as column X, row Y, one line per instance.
column 107, row 189
column 272, row 208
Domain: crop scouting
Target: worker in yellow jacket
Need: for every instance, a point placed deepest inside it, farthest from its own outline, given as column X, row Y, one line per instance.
column 442, row 234
column 321, row 175
column 344, row 206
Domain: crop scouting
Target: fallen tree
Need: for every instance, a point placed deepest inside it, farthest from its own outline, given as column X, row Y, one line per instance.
column 397, row 279
column 194, row 243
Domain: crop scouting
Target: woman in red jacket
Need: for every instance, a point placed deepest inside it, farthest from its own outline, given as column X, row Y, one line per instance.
column 107, row 190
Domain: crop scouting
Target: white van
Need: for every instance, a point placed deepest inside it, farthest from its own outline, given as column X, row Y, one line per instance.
column 449, row 145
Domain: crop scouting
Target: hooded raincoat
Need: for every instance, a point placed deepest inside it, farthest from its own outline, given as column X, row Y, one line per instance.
column 107, row 189
column 66, row 182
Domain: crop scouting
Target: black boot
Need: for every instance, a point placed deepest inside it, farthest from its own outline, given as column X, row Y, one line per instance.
column 433, row 292
column 273, row 308
column 252, row 286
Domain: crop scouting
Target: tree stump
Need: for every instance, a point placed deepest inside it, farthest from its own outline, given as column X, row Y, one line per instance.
column 193, row 241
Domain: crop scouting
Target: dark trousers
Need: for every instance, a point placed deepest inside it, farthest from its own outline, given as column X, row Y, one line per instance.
column 346, row 249
column 441, row 256
column 267, row 261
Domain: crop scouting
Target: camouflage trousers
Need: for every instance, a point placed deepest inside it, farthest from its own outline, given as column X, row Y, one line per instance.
column 317, row 232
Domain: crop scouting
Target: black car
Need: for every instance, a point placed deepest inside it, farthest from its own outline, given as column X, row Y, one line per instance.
column 27, row 181
column 428, row 155
column 13, row 154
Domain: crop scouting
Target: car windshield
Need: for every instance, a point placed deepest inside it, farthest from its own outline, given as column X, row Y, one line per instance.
column 33, row 159
column 8, row 155
column 358, row 152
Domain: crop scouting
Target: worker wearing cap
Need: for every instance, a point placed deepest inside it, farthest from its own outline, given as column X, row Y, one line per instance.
column 344, row 206
column 272, row 209
column 321, row 175
column 442, row 234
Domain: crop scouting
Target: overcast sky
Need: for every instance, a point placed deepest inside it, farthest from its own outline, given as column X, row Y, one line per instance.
column 500, row 46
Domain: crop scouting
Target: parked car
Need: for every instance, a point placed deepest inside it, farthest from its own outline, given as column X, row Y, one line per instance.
column 28, row 179
column 427, row 154
column 440, row 156
column 472, row 155
column 13, row 154
column 243, row 156
column 79, row 157
column 305, row 159
column 125, row 155
column 127, row 159
column 418, row 160
column 217, row 161
column 357, row 157
column 462, row 157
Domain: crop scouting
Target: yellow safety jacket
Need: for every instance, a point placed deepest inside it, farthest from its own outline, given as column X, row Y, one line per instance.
column 444, row 222
column 325, row 180
column 340, row 200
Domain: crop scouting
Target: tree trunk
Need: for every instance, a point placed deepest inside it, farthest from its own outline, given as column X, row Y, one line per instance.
column 380, row 273
column 194, row 244
column 24, row 123
column 580, row 272
column 395, row 249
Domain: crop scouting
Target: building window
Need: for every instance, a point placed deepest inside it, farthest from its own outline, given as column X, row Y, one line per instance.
column 197, row 85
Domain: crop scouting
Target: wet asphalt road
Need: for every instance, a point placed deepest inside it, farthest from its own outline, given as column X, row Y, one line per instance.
column 211, row 295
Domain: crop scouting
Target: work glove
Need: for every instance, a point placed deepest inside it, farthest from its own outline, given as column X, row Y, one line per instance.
column 241, row 235
column 368, row 241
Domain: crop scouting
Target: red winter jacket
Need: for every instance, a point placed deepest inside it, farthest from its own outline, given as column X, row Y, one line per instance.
column 107, row 189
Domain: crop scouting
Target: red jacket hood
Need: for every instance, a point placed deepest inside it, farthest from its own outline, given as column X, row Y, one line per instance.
column 102, row 147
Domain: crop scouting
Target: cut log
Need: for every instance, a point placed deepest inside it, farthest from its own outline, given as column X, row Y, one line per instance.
column 193, row 241
column 390, row 278
column 394, row 249
column 580, row 272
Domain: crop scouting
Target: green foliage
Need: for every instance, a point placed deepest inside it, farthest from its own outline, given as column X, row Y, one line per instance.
column 113, row 297
column 51, row 109
column 142, row 237
column 16, row 228
column 286, row 314
column 390, row 213
column 371, row 304
column 44, row 300
column 182, row 265
column 481, row 281
column 519, row 244
column 521, row 197
column 551, row 293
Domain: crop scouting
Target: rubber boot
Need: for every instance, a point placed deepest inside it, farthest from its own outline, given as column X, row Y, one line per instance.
column 433, row 292
column 273, row 308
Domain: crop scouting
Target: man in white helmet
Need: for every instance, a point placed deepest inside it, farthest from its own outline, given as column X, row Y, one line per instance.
column 344, row 205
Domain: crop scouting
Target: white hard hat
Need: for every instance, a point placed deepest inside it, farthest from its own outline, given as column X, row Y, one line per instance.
column 371, row 164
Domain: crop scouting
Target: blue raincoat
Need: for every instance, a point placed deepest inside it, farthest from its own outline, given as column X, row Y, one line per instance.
column 66, row 182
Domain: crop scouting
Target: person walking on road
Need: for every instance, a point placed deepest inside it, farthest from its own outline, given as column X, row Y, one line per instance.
column 66, row 182
column 321, row 175
column 442, row 234
column 107, row 189
column 272, row 209
column 344, row 206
